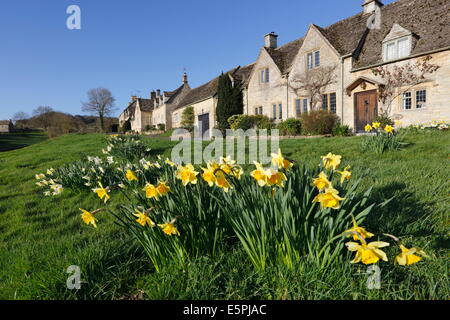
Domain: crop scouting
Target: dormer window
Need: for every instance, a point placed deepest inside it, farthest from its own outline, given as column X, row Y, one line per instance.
column 397, row 49
column 397, row 44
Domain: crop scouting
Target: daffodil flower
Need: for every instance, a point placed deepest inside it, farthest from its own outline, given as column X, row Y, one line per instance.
column 389, row 129
column 102, row 193
column 131, row 176
column 368, row 128
column 368, row 253
column 221, row 181
column 280, row 162
column 209, row 175
column 187, row 174
column 408, row 256
column 331, row 161
column 162, row 188
column 376, row 125
column 322, row 182
column 88, row 218
column 345, row 175
column 151, row 191
column 170, row 163
column 143, row 219
column 275, row 178
column 260, row 174
column 329, row 199
column 169, row 228
column 358, row 232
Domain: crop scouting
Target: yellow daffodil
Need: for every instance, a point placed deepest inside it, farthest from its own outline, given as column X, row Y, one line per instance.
column 329, row 199
column 368, row 128
column 280, row 162
column 226, row 160
column 169, row 228
column 259, row 174
column 237, row 172
column 275, row 178
column 143, row 219
column 345, row 175
column 88, row 218
column 359, row 230
column 40, row 176
column 322, row 182
column 368, row 253
column 389, row 129
column 162, row 188
column 376, row 125
column 130, row 175
column 102, row 193
column 221, row 181
column 187, row 174
column 170, row 163
column 408, row 257
column 151, row 191
column 209, row 175
column 331, row 161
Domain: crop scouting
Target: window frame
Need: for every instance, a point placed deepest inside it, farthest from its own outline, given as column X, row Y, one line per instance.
column 280, row 111
column 396, row 42
column 333, row 110
column 298, row 107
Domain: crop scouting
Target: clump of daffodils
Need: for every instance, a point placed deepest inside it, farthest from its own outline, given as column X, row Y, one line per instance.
column 49, row 181
column 376, row 127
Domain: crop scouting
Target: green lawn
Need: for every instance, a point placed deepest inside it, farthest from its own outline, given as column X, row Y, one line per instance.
column 12, row 141
column 40, row 237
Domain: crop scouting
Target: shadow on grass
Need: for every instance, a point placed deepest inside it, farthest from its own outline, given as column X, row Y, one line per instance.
column 404, row 215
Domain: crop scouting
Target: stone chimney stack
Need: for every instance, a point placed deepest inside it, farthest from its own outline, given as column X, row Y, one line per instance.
column 158, row 93
column 185, row 78
column 133, row 98
column 270, row 40
column 153, row 95
column 371, row 5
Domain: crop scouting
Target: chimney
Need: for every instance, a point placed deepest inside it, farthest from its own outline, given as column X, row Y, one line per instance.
column 270, row 40
column 158, row 93
column 371, row 5
column 153, row 95
column 185, row 78
column 133, row 98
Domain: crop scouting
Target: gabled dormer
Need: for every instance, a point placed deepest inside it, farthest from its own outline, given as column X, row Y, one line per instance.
column 397, row 44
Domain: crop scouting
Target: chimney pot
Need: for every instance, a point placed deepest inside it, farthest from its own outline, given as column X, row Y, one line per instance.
column 185, row 78
column 371, row 5
column 270, row 40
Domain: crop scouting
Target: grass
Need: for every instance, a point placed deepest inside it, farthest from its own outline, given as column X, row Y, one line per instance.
column 40, row 237
column 12, row 141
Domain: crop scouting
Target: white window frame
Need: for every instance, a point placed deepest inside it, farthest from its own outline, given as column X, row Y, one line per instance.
column 264, row 75
column 396, row 48
column 313, row 59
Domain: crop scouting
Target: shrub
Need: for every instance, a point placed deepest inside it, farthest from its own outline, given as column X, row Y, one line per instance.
column 318, row 122
column 384, row 120
column 341, row 130
column 149, row 127
column 246, row 122
column 161, row 127
column 188, row 118
column 126, row 126
column 290, row 127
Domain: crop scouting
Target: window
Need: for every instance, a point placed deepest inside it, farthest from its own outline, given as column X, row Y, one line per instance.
column 325, row 102
column 421, row 99
column 310, row 61
column 407, row 101
column 305, row 105
column 313, row 60
column 298, row 107
column 397, row 49
column 280, row 107
column 317, row 59
column 265, row 77
column 333, row 102
column 274, row 111
column 260, row 110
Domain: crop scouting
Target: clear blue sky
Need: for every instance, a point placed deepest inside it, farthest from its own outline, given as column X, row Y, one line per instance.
column 136, row 46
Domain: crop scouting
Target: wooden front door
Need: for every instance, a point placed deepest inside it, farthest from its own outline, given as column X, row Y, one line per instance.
column 203, row 123
column 366, row 108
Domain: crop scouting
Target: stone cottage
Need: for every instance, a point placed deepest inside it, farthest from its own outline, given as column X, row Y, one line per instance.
column 6, row 126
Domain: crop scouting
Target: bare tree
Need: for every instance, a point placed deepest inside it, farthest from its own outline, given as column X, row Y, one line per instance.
column 42, row 116
column 18, row 116
column 314, row 82
column 398, row 80
column 101, row 103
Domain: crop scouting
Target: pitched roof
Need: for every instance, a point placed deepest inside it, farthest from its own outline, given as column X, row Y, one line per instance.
column 200, row 93
column 428, row 20
column 173, row 94
column 5, row 122
column 284, row 56
column 243, row 74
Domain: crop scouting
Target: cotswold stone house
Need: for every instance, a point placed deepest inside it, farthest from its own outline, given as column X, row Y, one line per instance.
column 6, row 126
column 402, row 32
